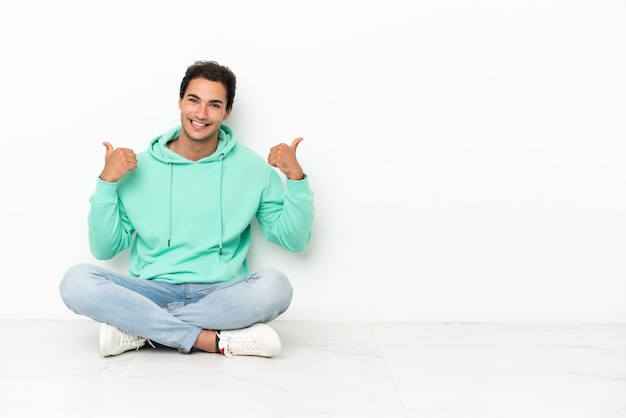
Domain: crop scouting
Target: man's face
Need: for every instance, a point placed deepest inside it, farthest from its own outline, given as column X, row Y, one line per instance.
column 203, row 109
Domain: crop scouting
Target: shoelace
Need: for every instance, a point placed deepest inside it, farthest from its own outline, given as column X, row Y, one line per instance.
column 137, row 342
column 240, row 345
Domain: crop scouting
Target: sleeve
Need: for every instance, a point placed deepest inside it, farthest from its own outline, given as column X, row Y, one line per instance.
column 110, row 231
column 285, row 214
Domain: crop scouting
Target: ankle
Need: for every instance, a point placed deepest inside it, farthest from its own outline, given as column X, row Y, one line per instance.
column 207, row 341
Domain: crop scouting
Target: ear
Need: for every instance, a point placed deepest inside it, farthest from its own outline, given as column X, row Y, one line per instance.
column 180, row 104
column 227, row 115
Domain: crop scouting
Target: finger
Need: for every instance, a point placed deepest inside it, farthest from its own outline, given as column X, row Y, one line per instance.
column 109, row 148
column 295, row 143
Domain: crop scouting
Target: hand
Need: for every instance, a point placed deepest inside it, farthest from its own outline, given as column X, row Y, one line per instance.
column 117, row 162
column 283, row 157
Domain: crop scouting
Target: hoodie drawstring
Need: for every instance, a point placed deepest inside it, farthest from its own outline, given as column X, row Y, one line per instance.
column 169, row 233
column 220, row 203
column 221, row 214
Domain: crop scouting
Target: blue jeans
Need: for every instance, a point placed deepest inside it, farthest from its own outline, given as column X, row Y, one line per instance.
column 174, row 314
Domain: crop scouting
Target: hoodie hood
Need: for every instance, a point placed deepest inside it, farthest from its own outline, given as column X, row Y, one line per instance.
column 159, row 150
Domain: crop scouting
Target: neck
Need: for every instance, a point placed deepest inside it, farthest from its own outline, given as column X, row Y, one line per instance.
column 193, row 150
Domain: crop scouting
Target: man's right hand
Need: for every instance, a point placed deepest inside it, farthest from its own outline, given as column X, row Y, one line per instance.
column 117, row 162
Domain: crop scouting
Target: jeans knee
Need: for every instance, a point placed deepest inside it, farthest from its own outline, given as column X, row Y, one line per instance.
column 277, row 277
column 282, row 288
column 70, row 283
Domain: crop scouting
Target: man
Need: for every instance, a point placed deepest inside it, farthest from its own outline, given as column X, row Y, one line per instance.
column 184, row 207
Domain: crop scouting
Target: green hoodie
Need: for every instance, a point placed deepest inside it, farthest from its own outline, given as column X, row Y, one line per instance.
column 189, row 221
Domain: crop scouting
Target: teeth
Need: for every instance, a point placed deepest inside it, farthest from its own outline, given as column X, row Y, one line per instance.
column 198, row 124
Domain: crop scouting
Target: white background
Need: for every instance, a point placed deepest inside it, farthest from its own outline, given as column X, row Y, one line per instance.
column 467, row 157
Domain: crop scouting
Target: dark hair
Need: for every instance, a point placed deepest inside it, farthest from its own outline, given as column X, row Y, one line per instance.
column 211, row 71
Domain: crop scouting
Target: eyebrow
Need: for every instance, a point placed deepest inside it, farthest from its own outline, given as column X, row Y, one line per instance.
column 210, row 101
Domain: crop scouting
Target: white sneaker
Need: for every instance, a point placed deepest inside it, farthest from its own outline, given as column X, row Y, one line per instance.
column 257, row 340
column 113, row 341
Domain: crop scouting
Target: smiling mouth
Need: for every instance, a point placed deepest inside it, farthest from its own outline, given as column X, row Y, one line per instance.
column 198, row 124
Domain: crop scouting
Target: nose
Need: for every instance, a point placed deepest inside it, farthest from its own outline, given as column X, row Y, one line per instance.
column 203, row 112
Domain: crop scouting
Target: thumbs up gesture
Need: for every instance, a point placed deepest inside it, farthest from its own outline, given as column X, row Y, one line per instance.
column 117, row 162
column 283, row 157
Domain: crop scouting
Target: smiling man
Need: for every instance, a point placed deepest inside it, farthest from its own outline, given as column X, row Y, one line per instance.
column 184, row 207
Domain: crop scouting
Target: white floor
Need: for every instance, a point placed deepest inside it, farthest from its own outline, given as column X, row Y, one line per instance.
column 52, row 368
